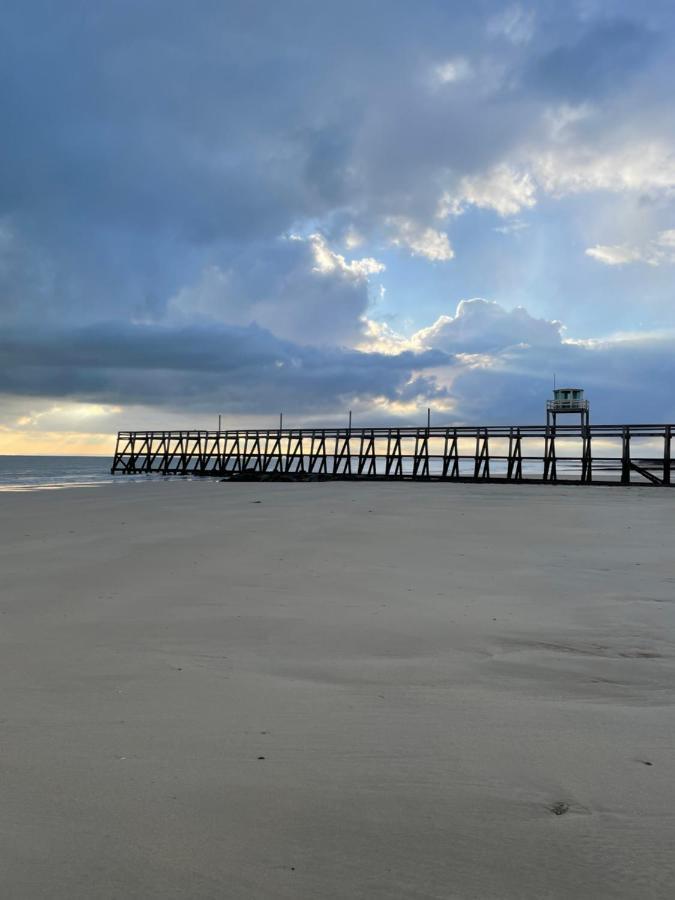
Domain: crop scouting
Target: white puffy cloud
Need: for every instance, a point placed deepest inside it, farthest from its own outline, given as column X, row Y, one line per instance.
column 568, row 168
column 657, row 252
column 631, row 166
column 616, row 255
column 328, row 261
column 434, row 245
column 380, row 337
column 482, row 326
column 503, row 189
column 479, row 328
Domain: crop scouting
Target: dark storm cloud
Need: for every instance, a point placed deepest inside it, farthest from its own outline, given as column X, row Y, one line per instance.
column 227, row 122
column 232, row 369
column 221, row 120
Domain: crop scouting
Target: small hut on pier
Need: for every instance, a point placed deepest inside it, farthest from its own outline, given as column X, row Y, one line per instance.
column 567, row 400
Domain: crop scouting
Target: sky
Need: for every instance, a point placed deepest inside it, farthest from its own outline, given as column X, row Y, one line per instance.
column 238, row 207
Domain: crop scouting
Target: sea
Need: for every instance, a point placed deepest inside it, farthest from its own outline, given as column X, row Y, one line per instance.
column 30, row 473
column 27, row 473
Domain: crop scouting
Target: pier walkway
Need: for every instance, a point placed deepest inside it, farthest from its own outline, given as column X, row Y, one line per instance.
column 562, row 454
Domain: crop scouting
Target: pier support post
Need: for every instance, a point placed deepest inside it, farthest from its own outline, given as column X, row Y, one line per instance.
column 514, row 467
column 666, row 455
column 625, row 457
column 481, row 468
column 586, row 458
column 550, row 468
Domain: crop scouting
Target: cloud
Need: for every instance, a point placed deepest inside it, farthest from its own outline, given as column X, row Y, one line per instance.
column 484, row 326
column 161, row 157
column 452, row 71
column 515, row 384
column 486, row 363
column 327, row 261
column 228, row 368
column 641, row 167
column 562, row 118
column 658, row 252
column 565, row 169
column 499, row 366
column 380, row 337
column 601, row 60
column 299, row 288
column 503, row 189
column 430, row 243
column 515, row 23
column 512, row 227
column 618, row 255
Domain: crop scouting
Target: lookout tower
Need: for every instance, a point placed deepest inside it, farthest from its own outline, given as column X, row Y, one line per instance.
column 567, row 400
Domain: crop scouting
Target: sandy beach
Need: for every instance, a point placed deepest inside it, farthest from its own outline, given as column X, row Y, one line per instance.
column 336, row 690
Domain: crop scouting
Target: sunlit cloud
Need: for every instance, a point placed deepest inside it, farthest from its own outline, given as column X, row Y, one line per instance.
column 503, row 189
column 327, row 261
column 430, row 243
column 634, row 167
column 658, row 252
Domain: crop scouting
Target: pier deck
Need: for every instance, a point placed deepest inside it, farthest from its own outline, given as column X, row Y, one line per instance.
column 563, row 454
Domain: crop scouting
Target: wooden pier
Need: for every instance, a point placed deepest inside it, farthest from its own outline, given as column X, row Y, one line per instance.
column 560, row 454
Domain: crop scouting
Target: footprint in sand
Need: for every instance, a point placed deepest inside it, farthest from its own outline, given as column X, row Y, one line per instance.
column 559, row 808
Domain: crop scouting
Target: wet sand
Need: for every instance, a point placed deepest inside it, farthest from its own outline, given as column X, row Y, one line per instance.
column 323, row 691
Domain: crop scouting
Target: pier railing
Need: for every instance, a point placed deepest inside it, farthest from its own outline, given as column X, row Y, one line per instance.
column 567, row 406
column 564, row 454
